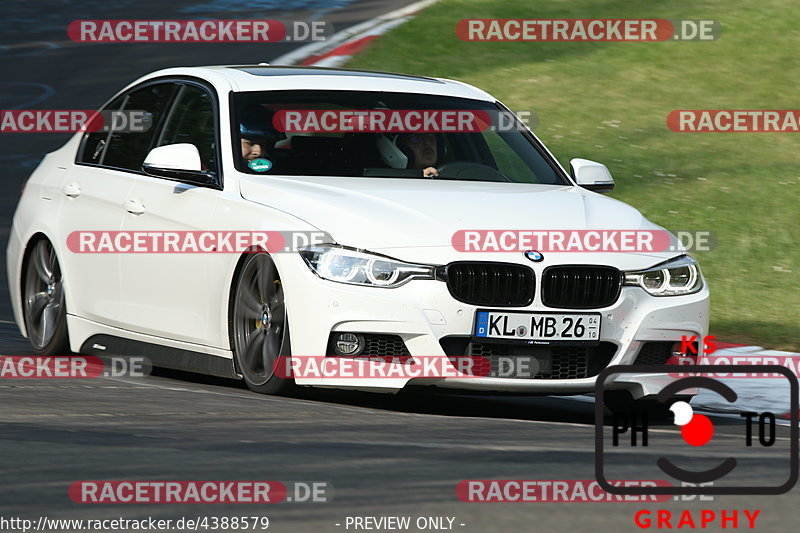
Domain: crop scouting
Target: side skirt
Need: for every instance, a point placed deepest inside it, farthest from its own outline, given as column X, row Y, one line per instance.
column 160, row 356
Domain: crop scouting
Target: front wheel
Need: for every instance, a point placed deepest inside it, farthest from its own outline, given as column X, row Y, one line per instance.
column 43, row 307
column 258, row 325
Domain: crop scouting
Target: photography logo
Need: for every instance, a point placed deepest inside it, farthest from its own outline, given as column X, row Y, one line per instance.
column 742, row 453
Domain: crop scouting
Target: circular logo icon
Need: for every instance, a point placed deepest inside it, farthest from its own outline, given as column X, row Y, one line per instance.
column 260, row 165
column 521, row 331
column 534, row 256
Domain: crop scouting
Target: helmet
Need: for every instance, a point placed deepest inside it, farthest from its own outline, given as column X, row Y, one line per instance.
column 255, row 124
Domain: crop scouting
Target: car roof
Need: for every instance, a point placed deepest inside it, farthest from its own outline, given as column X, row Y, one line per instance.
column 247, row 78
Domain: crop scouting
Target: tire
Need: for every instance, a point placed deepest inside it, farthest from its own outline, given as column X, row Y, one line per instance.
column 43, row 304
column 620, row 401
column 258, row 325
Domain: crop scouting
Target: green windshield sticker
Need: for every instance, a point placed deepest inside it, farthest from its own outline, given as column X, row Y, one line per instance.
column 260, row 165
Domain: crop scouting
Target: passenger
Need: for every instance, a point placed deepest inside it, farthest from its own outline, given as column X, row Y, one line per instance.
column 252, row 147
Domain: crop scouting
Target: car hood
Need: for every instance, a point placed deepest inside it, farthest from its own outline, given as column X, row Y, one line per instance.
column 384, row 214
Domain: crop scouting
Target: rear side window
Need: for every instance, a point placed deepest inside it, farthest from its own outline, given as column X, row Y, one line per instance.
column 191, row 120
column 128, row 149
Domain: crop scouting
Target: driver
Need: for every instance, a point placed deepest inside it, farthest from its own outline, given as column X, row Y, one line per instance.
column 411, row 150
column 423, row 146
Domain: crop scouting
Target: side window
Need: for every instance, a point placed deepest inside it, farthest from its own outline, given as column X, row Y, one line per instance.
column 191, row 120
column 127, row 149
column 94, row 143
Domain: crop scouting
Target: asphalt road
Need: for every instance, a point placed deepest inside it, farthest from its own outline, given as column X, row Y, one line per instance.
column 398, row 456
column 384, row 455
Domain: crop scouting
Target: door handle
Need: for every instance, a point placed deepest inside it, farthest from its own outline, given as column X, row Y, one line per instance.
column 73, row 190
column 135, row 207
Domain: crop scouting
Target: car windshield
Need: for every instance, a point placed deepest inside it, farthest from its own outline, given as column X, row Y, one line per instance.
column 384, row 134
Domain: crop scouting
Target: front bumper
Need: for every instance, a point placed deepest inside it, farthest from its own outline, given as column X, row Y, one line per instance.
column 422, row 312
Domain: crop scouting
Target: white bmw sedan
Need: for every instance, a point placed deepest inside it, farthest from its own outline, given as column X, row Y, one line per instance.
column 415, row 237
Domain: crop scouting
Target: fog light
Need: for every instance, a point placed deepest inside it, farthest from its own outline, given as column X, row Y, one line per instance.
column 348, row 344
column 681, row 354
column 680, row 349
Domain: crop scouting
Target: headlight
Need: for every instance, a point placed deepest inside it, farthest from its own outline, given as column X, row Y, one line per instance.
column 675, row 277
column 344, row 265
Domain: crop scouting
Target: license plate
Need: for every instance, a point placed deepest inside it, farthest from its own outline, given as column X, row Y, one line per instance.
column 537, row 326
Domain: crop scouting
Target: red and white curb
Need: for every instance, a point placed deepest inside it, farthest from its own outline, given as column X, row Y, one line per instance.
column 734, row 350
column 346, row 43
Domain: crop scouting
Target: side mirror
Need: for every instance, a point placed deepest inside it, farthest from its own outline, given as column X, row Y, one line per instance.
column 591, row 175
column 180, row 162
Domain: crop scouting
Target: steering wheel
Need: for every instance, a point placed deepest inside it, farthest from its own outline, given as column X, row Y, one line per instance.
column 468, row 170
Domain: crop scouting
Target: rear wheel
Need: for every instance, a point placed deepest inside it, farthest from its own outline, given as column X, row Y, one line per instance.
column 258, row 324
column 43, row 307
